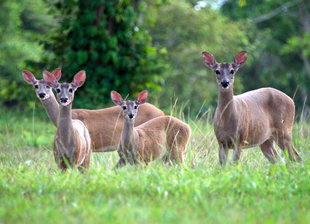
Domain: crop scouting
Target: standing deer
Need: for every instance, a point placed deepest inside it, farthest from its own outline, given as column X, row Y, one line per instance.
column 259, row 117
column 72, row 143
column 152, row 139
column 104, row 125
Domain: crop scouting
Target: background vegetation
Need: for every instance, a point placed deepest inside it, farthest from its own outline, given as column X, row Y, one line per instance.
column 132, row 45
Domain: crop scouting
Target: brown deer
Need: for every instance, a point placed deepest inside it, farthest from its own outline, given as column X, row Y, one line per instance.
column 45, row 93
column 72, row 143
column 152, row 139
column 104, row 125
column 259, row 117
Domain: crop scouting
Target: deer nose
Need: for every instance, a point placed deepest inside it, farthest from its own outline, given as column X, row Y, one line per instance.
column 225, row 83
column 130, row 116
column 42, row 95
column 63, row 100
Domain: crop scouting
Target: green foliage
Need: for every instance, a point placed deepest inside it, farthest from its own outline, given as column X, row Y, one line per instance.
column 33, row 190
column 109, row 41
column 279, row 39
column 23, row 23
column 185, row 33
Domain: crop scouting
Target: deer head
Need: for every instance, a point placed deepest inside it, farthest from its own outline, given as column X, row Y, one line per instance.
column 130, row 108
column 43, row 91
column 65, row 91
column 225, row 72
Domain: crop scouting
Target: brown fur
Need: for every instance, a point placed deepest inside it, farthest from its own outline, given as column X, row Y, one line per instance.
column 72, row 143
column 71, row 149
column 155, row 138
column 258, row 117
column 105, row 125
column 151, row 140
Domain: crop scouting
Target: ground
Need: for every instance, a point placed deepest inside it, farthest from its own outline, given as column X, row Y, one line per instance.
column 33, row 190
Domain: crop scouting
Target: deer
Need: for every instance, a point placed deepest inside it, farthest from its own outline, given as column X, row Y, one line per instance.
column 72, row 142
column 104, row 125
column 260, row 117
column 161, row 137
column 44, row 93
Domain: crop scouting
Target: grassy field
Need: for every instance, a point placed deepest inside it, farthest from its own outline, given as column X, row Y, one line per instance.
column 33, row 190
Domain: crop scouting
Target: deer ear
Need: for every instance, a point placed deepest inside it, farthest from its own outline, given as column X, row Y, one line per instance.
column 208, row 59
column 57, row 73
column 240, row 59
column 141, row 98
column 117, row 98
column 50, row 79
column 79, row 79
column 29, row 77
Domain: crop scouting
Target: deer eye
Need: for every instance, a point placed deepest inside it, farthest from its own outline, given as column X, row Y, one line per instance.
column 232, row 71
column 70, row 90
column 136, row 107
column 124, row 107
column 58, row 90
column 217, row 72
column 36, row 86
column 47, row 87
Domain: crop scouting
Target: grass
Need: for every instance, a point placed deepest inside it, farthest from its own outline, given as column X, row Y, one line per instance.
column 33, row 190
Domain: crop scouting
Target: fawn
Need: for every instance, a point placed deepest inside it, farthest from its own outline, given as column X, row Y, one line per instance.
column 72, row 143
column 104, row 125
column 259, row 117
column 152, row 139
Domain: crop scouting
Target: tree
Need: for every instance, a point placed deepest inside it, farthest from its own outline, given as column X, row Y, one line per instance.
column 185, row 33
column 22, row 23
column 108, row 40
column 281, row 28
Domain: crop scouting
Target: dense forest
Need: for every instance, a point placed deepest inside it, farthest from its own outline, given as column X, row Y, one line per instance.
column 156, row 45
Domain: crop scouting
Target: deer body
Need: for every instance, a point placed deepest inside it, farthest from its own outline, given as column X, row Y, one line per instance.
column 104, row 125
column 257, row 117
column 152, row 139
column 72, row 142
column 248, row 117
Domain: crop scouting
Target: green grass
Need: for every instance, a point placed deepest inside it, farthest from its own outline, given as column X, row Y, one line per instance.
column 33, row 190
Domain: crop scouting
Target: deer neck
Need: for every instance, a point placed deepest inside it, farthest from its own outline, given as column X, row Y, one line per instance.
column 226, row 105
column 128, row 143
column 128, row 140
column 65, row 130
column 51, row 107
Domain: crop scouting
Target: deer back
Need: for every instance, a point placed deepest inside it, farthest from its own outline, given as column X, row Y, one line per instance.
column 105, row 125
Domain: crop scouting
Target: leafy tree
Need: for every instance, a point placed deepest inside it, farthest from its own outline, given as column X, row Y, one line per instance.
column 22, row 23
column 185, row 33
column 108, row 40
column 282, row 58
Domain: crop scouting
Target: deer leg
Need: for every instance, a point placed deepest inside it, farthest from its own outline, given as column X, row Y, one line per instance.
column 269, row 150
column 86, row 162
column 121, row 163
column 62, row 165
column 285, row 142
column 223, row 152
column 236, row 154
column 181, row 158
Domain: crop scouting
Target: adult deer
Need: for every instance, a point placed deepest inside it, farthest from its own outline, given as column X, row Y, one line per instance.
column 104, row 125
column 152, row 139
column 44, row 93
column 72, row 143
column 258, row 117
